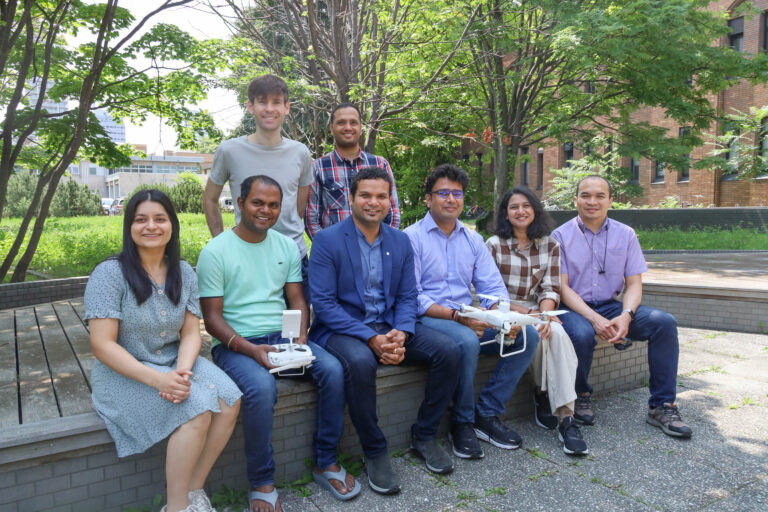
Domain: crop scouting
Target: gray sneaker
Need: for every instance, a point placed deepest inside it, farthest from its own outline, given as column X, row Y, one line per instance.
column 668, row 419
column 434, row 455
column 583, row 410
column 381, row 477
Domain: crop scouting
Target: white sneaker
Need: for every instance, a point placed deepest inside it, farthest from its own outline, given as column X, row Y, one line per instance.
column 200, row 500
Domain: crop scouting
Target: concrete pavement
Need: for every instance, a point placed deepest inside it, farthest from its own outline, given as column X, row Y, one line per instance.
column 722, row 394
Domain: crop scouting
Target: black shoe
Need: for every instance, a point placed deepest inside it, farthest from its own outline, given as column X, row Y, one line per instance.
column 570, row 435
column 381, row 476
column 465, row 443
column 543, row 413
column 492, row 430
column 435, row 457
column 583, row 410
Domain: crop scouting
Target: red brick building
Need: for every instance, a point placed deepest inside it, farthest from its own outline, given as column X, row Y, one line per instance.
column 696, row 186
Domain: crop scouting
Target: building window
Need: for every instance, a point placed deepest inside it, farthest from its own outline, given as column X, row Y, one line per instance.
column 658, row 172
column 764, row 28
column 540, row 169
column 524, row 165
column 92, row 170
column 634, row 170
column 590, row 88
column 567, row 154
column 685, row 172
column 731, row 170
column 764, row 147
column 736, row 37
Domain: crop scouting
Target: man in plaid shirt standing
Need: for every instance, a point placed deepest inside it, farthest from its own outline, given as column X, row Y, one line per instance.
column 328, row 202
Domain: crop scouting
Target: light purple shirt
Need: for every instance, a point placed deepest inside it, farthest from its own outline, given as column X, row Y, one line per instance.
column 597, row 264
column 446, row 266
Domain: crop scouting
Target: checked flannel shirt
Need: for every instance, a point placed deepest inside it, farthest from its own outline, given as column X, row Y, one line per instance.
column 328, row 202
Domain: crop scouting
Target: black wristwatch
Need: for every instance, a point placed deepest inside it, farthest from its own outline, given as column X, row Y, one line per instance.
column 631, row 313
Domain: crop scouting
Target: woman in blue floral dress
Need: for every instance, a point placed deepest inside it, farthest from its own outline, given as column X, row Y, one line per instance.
column 149, row 381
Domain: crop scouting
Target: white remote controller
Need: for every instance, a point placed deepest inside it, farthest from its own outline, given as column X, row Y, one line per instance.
column 291, row 355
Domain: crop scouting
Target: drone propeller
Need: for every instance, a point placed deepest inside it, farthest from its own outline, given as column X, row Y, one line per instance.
column 491, row 297
column 557, row 312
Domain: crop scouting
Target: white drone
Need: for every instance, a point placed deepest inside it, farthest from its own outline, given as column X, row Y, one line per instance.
column 291, row 356
column 504, row 320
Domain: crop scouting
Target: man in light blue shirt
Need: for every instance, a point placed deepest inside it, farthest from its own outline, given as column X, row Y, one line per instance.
column 448, row 259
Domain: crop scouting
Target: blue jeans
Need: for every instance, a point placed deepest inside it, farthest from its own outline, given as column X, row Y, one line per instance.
column 258, row 405
column 426, row 347
column 499, row 388
column 654, row 325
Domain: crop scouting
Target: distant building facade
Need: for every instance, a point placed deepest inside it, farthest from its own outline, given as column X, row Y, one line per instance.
column 691, row 186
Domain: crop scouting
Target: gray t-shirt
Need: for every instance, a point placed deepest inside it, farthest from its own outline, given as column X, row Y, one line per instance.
column 289, row 163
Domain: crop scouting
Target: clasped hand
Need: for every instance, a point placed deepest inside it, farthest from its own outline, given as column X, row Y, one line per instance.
column 612, row 331
column 174, row 386
column 389, row 348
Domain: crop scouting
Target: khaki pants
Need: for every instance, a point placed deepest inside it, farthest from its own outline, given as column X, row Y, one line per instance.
column 554, row 368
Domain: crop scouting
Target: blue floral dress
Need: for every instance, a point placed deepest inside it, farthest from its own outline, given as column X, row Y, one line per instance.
column 135, row 415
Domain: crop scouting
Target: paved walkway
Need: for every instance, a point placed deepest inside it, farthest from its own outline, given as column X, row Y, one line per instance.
column 723, row 395
column 738, row 270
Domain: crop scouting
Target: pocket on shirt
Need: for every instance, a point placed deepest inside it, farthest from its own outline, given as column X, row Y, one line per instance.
column 615, row 261
column 333, row 195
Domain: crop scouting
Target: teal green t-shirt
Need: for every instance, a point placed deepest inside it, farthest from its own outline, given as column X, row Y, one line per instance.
column 250, row 279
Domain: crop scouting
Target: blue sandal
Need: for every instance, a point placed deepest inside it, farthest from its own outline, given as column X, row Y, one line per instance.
column 324, row 480
column 269, row 497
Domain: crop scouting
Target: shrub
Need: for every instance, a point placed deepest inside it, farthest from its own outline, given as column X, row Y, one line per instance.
column 73, row 200
column 21, row 188
column 187, row 194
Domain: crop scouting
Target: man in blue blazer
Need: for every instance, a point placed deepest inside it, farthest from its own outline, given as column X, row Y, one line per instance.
column 364, row 293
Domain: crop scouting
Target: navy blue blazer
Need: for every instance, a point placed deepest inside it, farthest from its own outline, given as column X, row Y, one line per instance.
column 335, row 271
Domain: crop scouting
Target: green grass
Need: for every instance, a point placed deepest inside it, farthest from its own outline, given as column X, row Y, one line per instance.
column 73, row 246
column 702, row 239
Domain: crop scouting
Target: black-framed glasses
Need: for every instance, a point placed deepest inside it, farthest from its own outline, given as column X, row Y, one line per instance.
column 445, row 192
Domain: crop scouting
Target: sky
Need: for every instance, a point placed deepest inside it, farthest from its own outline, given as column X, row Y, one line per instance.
column 199, row 21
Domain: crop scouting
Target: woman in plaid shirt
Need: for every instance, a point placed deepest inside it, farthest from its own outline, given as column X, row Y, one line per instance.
column 529, row 261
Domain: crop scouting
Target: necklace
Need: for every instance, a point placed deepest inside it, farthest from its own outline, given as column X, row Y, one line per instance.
column 601, row 268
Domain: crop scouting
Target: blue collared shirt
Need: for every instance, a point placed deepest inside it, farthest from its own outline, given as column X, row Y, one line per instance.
column 447, row 266
column 373, row 278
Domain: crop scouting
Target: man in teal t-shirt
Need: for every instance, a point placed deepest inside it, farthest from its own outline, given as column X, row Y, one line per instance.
column 243, row 275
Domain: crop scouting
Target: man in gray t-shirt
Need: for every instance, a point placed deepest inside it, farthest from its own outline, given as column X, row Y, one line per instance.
column 265, row 152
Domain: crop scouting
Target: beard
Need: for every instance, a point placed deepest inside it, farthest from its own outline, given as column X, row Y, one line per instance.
column 346, row 145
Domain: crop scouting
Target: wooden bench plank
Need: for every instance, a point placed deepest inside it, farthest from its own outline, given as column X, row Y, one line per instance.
column 69, row 382
column 79, row 306
column 37, row 399
column 9, row 399
column 78, row 336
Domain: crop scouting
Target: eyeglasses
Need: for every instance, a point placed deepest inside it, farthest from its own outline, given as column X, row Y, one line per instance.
column 445, row 192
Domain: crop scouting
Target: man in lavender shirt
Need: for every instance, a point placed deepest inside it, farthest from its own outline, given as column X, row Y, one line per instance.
column 448, row 259
column 600, row 257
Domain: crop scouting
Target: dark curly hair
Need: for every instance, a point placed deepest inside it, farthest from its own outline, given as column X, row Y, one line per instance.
column 542, row 223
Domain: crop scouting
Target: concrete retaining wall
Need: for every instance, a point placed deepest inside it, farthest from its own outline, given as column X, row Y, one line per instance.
column 14, row 295
column 683, row 218
column 70, row 465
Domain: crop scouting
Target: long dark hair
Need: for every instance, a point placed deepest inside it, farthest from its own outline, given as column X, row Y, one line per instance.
column 542, row 223
column 130, row 262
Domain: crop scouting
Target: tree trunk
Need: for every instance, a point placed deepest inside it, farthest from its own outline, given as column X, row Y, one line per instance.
column 22, row 266
column 501, row 181
column 42, row 181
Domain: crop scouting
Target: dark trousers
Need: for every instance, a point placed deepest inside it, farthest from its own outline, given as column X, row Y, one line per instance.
column 426, row 347
column 654, row 325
